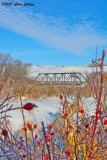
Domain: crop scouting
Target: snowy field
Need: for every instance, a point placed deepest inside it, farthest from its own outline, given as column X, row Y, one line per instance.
column 33, row 71
column 47, row 111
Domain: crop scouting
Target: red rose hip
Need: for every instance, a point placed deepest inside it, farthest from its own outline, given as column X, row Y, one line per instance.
column 105, row 122
column 29, row 106
column 67, row 153
column 4, row 132
column 81, row 111
column 61, row 97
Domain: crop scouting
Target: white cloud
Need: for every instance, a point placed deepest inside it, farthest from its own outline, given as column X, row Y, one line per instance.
column 56, row 33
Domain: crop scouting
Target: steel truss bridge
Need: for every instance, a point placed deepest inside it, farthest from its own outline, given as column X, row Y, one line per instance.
column 75, row 78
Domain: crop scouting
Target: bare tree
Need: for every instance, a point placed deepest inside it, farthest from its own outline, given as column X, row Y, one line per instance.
column 14, row 69
column 5, row 59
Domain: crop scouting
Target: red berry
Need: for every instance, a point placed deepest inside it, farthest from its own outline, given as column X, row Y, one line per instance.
column 105, row 130
column 98, row 132
column 66, row 133
column 29, row 126
column 28, row 106
column 52, row 134
column 24, row 156
column 67, row 153
column 35, row 126
column 38, row 143
column 87, row 125
column 4, row 132
column 66, row 114
column 25, row 129
column 69, row 127
column 98, row 112
column 105, row 122
column 21, row 144
column 20, row 137
column 36, row 136
column 21, row 140
column 78, row 131
column 93, row 116
column 61, row 97
column 47, row 136
column 46, row 156
column 19, row 148
column 93, row 121
column 48, row 140
column 50, row 127
column 81, row 111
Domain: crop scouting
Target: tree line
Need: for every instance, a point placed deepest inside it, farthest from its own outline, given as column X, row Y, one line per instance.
column 14, row 69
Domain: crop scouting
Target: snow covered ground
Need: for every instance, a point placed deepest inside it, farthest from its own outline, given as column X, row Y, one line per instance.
column 47, row 111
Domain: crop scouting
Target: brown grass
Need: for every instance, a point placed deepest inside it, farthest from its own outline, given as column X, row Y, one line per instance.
column 34, row 91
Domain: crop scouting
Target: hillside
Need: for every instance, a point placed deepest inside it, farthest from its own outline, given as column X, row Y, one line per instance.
column 33, row 71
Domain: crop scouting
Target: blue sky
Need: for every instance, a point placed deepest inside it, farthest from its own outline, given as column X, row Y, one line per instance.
column 54, row 32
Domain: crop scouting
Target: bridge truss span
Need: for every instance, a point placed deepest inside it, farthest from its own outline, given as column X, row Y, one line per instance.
column 75, row 78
